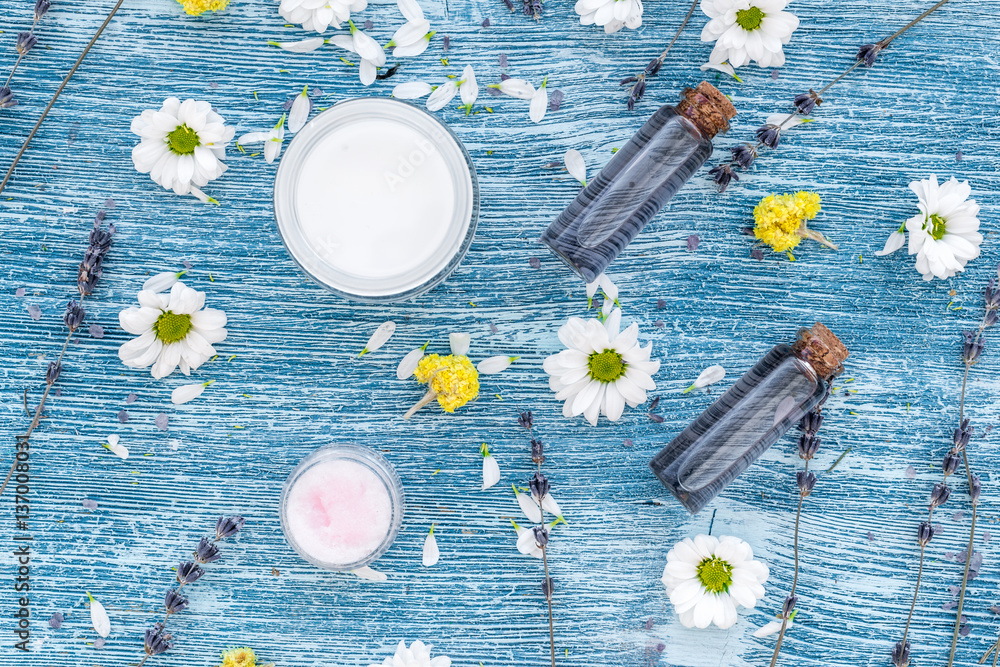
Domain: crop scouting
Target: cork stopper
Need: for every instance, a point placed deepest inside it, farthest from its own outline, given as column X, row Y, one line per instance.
column 822, row 350
column 707, row 108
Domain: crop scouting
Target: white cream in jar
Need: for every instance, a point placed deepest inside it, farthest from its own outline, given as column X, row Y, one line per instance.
column 376, row 200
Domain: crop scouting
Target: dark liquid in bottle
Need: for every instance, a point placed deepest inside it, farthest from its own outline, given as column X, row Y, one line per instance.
column 638, row 181
column 739, row 427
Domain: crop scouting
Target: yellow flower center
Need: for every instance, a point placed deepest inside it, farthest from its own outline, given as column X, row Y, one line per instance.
column 715, row 574
column 938, row 226
column 239, row 657
column 171, row 327
column 453, row 378
column 183, row 140
column 749, row 19
column 606, row 366
column 199, row 7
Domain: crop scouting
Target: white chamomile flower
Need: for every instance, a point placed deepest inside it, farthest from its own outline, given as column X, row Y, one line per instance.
column 417, row 655
column 613, row 15
column 431, row 554
column 188, row 392
column 299, row 113
column 575, row 165
column 745, row 30
column 412, row 90
column 707, row 377
column 468, row 90
column 539, row 103
column 519, row 88
column 182, row 145
column 173, row 330
column 318, row 15
column 379, row 337
column 491, row 469
column 602, row 370
column 708, row 578
column 301, row 46
column 273, row 140
column 115, row 447
column 945, row 234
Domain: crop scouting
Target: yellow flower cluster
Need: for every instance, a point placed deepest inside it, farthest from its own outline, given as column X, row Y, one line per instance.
column 780, row 219
column 453, row 378
column 239, row 657
column 199, row 7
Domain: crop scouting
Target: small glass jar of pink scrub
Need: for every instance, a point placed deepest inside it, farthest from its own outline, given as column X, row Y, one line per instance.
column 342, row 507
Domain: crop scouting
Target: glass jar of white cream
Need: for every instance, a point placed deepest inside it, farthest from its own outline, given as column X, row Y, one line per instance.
column 376, row 200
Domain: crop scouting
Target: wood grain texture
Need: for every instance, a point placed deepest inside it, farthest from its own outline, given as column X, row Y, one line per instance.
column 295, row 382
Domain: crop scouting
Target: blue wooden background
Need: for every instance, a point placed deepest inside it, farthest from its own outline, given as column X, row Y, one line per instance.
column 294, row 382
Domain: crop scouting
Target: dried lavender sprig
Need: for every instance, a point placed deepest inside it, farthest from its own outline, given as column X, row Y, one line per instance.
column 769, row 136
column 638, row 81
column 55, row 96
column 25, row 41
column 540, row 485
column 971, row 351
column 72, row 319
column 156, row 640
column 808, row 443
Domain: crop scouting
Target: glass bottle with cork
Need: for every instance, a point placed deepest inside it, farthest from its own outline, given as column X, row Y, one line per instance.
column 744, row 422
column 638, row 181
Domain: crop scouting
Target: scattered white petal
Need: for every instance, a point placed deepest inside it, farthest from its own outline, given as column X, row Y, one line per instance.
column 895, row 241
column 379, row 338
column 529, row 506
column 115, row 447
column 709, row 376
column 253, row 138
column 411, row 90
column 442, row 95
column 99, row 617
column 369, row 574
column 539, row 103
column 518, row 88
column 460, row 343
column 409, row 363
column 549, row 504
column 299, row 113
column 161, row 282
column 274, row 142
column 526, row 542
column 771, row 628
column 469, row 90
column 410, row 10
column 725, row 68
column 343, row 41
column 303, row 46
column 494, row 365
column 491, row 471
column 575, row 165
column 188, row 392
column 431, row 552
column 785, row 121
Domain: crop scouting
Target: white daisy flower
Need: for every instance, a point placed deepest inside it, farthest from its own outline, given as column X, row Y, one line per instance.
column 318, row 15
column 431, row 554
column 115, row 447
column 379, row 337
column 491, row 469
column 745, row 30
column 182, row 145
column 188, row 392
column 173, row 330
column 613, row 15
column 519, row 88
column 273, row 140
column 945, row 234
column 575, row 165
column 539, row 103
column 417, row 655
column 299, row 113
column 602, row 370
column 708, row 578
column 302, row 46
column 412, row 90
column 709, row 376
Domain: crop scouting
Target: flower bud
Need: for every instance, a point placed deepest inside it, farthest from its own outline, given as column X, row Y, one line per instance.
column 789, row 605
column 541, row 535
column 52, row 374
column 539, row 485
column 901, row 651
column 6, row 98
column 867, row 54
column 806, row 480
column 74, row 315
column 976, row 488
column 962, row 435
column 950, row 463
column 25, row 41
column 808, row 444
column 811, row 422
column 939, row 494
column 41, row 8
column 925, row 532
